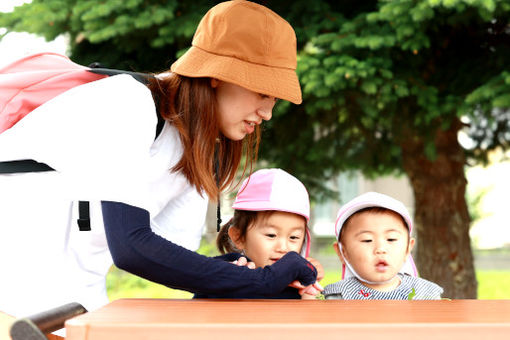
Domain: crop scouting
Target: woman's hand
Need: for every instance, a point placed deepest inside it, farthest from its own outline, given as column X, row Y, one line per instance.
column 243, row 262
column 310, row 292
column 318, row 266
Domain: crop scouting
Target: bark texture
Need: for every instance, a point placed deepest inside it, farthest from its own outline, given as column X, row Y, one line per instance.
column 443, row 253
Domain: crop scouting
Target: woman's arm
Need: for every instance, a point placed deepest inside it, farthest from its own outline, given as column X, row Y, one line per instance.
column 136, row 249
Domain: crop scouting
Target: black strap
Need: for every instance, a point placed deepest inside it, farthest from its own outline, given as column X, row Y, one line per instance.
column 143, row 78
column 29, row 165
column 218, row 206
column 84, row 216
column 25, row 165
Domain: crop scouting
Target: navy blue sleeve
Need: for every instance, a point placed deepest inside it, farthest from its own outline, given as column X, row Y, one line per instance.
column 287, row 293
column 138, row 250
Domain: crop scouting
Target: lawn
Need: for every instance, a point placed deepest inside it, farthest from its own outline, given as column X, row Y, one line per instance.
column 492, row 284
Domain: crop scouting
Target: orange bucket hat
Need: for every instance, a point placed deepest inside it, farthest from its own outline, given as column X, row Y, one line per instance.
column 246, row 44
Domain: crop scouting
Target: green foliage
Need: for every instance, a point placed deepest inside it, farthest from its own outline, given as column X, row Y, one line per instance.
column 391, row 71
column 373, row 73
column 493, row 284
column 474, row 201
column 133, row 34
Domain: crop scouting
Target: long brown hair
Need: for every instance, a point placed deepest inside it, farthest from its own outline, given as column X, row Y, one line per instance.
column 189, row 104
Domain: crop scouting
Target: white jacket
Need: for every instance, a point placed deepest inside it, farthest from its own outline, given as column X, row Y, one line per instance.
column 100, row 139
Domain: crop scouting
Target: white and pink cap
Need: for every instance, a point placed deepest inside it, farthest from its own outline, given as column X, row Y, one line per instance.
column 368, row 200
column 275, row 189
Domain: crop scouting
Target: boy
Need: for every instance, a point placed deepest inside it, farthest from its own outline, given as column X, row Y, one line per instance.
column 374, row 245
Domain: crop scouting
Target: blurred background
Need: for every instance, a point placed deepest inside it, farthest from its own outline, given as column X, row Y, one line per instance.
column 407, row 98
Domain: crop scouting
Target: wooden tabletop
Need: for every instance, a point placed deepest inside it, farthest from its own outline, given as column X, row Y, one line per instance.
column 293, row 319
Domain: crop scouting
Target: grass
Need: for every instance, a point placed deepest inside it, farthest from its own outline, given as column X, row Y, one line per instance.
column 492, row 284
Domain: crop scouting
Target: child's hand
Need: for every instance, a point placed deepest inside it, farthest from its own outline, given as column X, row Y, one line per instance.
column 307, row 292
column 318, row 266
column 242, row 261
column 306, row 296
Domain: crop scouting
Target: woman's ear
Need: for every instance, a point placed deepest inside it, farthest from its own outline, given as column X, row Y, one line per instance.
column 235, row 235
column 214, row 83
column 338, row 252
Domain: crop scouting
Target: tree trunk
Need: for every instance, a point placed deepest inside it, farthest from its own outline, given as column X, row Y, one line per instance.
column 442, row 220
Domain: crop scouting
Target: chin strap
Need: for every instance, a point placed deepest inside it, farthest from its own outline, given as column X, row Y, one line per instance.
column 357, row 275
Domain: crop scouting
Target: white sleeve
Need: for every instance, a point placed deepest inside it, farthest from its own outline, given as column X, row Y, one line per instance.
column 97, row 135
column 182, row 221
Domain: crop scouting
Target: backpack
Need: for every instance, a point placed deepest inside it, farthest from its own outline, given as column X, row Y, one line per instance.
column 29, row 82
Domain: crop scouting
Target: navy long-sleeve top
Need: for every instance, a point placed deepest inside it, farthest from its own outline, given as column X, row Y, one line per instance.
column 137, row 249
column 287, row 293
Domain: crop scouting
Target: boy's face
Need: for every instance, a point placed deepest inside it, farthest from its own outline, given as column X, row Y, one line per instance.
column 376, row 244
column 269, row 238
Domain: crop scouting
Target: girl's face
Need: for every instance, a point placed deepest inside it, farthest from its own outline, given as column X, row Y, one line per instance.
column 240, row 109
column 376, row 245
column 271, row 237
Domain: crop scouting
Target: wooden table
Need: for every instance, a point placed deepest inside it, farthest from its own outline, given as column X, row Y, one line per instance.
column 293, row 319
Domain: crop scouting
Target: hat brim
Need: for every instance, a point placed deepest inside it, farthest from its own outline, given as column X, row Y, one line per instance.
column 349, row 210
column 265, row 206
column 277, row 82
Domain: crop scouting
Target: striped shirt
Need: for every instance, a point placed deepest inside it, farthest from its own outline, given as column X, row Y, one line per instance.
column 410, row 288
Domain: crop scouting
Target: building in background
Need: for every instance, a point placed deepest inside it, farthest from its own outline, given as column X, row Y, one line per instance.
column 350, row 185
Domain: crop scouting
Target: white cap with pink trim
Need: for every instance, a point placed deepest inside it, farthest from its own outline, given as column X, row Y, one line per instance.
column 275, row 189
column 368, row 200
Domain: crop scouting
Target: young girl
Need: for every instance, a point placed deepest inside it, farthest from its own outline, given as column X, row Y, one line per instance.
column 148, row 190
column 272, row 210
column 374, row 245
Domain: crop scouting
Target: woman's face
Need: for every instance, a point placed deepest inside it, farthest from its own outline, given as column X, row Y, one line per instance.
column 240, row 109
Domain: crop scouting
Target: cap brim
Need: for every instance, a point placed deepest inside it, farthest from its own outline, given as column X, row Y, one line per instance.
column 351, row 209
column 277, row 82
column 264, row 206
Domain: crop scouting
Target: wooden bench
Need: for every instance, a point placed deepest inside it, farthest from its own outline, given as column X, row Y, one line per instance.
column 130, row 319
column 40, row 325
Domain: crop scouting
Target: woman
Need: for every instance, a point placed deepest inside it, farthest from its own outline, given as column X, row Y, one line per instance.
column 148, row 191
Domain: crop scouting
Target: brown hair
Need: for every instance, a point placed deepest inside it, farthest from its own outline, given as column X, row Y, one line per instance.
column 189, row 104
column 242, row 220
column 374, row 210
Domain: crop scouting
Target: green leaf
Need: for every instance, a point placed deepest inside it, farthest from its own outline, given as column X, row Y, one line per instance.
column 502, row 101
column 369, row 87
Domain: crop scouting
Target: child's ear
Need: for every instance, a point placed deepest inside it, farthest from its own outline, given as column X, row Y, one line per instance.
column 411, row 245
column 235, row 235
column 338, row 252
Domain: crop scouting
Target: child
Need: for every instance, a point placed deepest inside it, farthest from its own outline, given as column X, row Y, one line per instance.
column 272, row 210
column 374, row 245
